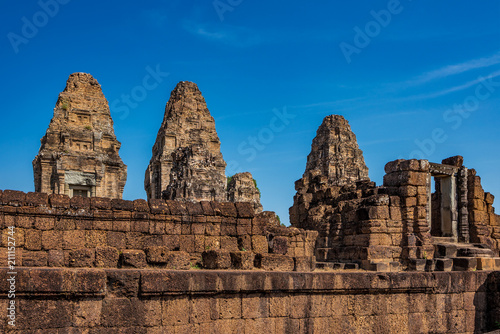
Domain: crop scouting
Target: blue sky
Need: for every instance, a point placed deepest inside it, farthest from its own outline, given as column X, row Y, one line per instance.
column 414, row 78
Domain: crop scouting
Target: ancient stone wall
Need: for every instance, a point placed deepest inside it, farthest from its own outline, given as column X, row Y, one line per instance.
column 61, row 300
column 485, row 224
column 79, row 152
column 58, row 231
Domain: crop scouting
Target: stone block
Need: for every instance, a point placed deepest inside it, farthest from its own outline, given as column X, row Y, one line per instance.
column 177, row 260
column 245, row 209
column 100, row 203
column 194, row 208
column 140, row 226
column 207, row 208
column 95, row 239
column 216, row 259
column 52, row 240
column 489, row 198
column 56, row 258
column 228, row 209
column 212, row 229
column 177, row 208
column 44, row 223
column 408, row 191
column 34, row 259
column 304, row 263
column 229, row 244
column 84, row 257
column 158, row 206
column 37, row 199
column 106, row 257
column 378, row 212
column 393, row 166
column 242, row 260
column 212, row 243
column 245, row 243
column 122, row 313
column 445, row 250
column 464, row 264
column 140, row 205
column 33, row 240
column 186, row 243
column 116, row 239
column 133, row 258
column 417, row 264
column 276, row 262
column 279, row 245
column 485, row 263
column 259, row 244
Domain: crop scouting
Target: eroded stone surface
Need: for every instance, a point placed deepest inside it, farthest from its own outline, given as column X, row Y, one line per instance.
column 242, row 188
column 335, row 161
column 79, row 152
column 187, row 163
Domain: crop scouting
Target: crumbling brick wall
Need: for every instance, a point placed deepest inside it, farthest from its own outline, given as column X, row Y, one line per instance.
column 58, row 231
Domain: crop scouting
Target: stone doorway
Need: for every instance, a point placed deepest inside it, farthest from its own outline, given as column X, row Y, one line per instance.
column 447, row 208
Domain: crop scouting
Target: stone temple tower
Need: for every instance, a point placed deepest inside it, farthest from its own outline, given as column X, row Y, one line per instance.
column 187, row 163
column 79, row 152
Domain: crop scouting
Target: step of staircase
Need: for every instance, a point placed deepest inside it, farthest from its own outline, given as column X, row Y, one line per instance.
column 444, row 240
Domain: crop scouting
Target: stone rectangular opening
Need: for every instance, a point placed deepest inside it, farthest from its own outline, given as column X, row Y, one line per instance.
column 447, row 211
column 444, row 214
column 82, row 191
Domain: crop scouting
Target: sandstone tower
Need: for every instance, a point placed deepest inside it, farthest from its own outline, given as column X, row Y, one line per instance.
column 243, row 188
column 187, row 163
column 335, row 160
column 79, row 152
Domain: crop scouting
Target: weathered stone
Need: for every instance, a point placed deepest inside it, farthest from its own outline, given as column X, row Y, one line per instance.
column 274, row 262
column 216, row 259
column 242, row 187
column 279, row 245
column 187, row 162
column 82, row 257
column 242, row 260
column 106, row 257
column 133, row 258
column 170, row 259
column 457, row 161
column 304, row 263
column 79, row 153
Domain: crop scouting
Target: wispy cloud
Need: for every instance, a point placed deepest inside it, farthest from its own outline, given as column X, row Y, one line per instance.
column 455, row 69
column 456, row 88
column 227, row 34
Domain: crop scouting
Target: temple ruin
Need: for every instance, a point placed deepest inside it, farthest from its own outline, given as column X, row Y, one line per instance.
column 418, row 254
column 186, row 162
column 79, row 152
column 402, row 224
column 242, row 187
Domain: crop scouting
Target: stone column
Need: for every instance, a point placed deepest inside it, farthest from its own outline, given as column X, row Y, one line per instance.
column 463, row 211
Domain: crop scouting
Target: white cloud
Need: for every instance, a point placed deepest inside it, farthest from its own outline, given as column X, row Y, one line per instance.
column 456, row 69
column 458, row 87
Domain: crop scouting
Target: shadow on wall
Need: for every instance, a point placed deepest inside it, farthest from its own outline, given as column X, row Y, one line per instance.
column 487, row 305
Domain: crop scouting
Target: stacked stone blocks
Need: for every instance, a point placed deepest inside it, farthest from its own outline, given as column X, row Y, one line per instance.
column 58, row 231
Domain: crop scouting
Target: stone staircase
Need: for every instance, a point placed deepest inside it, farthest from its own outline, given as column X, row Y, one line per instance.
column 449, row 255
column 456, row 256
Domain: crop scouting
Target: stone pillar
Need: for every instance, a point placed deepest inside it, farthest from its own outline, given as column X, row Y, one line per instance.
column 409, row 180
column 463, row 211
